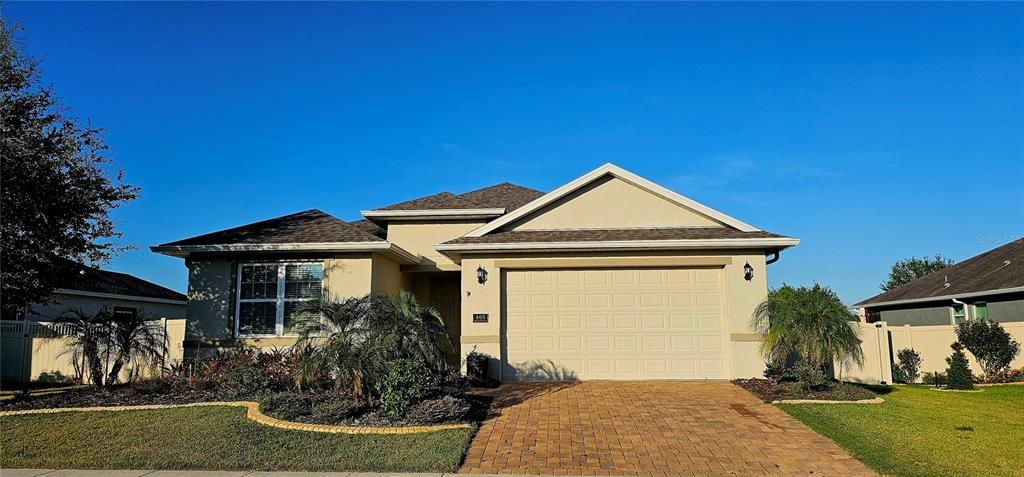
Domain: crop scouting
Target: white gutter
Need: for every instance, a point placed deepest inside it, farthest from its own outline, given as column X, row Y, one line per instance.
column 115, row 296
column 433, row 214
column 379, row 247
column 622, row 245
column 953, row 297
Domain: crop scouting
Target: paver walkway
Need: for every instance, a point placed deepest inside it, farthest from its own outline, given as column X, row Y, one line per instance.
column 665, row 428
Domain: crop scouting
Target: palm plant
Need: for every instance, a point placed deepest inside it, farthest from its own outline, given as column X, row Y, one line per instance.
column 334, row 332
column 136, row 338
column 88, row 340
column 812, row 323
column 409, row 330
column 354, row 342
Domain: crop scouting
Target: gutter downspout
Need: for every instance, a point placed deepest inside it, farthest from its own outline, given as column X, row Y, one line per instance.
column 775, row 257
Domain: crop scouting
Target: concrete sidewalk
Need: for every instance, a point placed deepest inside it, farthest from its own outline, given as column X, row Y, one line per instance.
column 200, row 473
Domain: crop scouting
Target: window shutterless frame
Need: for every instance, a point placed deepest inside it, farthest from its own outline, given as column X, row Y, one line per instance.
column 279, row 300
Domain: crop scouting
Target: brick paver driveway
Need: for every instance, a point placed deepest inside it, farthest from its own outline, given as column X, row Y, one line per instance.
column 647, row 428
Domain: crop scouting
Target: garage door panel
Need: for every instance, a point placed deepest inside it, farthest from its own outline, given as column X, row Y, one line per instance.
column 614, row 324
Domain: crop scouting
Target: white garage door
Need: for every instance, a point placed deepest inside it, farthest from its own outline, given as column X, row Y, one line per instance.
column 614, row 324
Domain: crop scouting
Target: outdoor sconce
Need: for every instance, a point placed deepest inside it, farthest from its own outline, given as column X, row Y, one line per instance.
column 748, row 272
column 481, row 275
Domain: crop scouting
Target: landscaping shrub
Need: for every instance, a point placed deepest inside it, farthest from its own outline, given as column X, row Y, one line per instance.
column 958, row 374
column 446, row 383
column 990, row 344
column 811, row 377
column 909, row 365
column 934, row 379
column 286, row 405
column 898, row 375
column 402, row 385
column 774, row 371
column 335, row 409
column 445, row 409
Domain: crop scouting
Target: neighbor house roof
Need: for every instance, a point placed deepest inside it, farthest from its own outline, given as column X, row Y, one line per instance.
column 1000, row 270
column 82, row 278
column 308, row 226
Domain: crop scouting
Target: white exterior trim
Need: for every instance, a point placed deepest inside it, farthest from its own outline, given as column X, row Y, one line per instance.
column 622, row 245
column 115, row 296
column 433, row 214
column 380, row 247
column 999, row 291
column 620, row 173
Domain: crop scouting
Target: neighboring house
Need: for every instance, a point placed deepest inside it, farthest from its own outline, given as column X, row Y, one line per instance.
column 607, row 277
column 922, row 314
column 88, row 289
column 989, row 286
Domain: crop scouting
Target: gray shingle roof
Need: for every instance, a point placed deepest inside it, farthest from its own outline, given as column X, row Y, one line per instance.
column 504, row 196
column 308, row 226
column 84, row 278
column 985, row 272
column 598, row 235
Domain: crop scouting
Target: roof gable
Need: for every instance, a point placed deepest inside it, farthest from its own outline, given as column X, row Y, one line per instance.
column 1001, row 268
column 671, row 209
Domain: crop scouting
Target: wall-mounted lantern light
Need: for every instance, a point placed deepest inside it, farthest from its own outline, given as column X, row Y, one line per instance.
column 748, row 272
column 481, row 275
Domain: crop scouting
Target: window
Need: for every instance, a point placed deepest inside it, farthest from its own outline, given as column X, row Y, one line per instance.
column 125, row 312
column 958, row 314
column 981, row 311
column 269, row 294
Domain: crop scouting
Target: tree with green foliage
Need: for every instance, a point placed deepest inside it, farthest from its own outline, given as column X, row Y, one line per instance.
column 812, row 323
column 990, row 344
column 958, row 374
column 910, row 269
column 56, row 185
column 909, row 365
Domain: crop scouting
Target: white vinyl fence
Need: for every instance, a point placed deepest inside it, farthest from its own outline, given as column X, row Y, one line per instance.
column 32, row 351
column 881, row 343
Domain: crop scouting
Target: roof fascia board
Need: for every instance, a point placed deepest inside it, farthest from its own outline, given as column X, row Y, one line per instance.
column 998, row 291
column 380, row 247
column 436, row 214
column 116, row 296
column 621, row 245
column 619, row 173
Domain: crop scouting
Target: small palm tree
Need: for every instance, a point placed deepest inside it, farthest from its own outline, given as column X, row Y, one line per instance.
column 88, row 340
column 354, row 342
column 412, row 331
column 136, row 338
column 812, row 323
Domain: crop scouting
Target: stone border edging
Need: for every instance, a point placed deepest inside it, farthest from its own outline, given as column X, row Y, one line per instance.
column 947, row 390
column 876, row 400
column 253, row 414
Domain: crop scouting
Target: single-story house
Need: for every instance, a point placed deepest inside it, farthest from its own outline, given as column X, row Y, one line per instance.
column 923, row 314
column 989, row 286
column 609, row 276
column 88, row 289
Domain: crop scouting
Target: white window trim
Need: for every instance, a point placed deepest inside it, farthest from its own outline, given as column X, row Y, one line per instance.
column 279, row 301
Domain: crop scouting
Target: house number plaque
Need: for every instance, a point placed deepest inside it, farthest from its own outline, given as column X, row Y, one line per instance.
column 479, row 317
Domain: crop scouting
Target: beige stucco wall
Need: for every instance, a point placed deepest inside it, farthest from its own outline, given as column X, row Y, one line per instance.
column 741, row 297
column 210, row 309
column 611, row 203
column 421, row 237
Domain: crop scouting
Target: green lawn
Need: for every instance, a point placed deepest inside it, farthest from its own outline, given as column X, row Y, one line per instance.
column 213, row 438
column 914, row 433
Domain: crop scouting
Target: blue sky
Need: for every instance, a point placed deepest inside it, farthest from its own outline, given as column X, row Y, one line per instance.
column 872, row 132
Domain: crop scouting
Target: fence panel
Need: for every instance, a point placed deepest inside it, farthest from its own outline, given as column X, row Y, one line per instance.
column 877, row 368
column 48, row 359
column 933, row 343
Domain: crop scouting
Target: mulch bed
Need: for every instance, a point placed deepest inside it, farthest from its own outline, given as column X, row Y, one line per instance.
column 117, row 396
column 769, row 391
